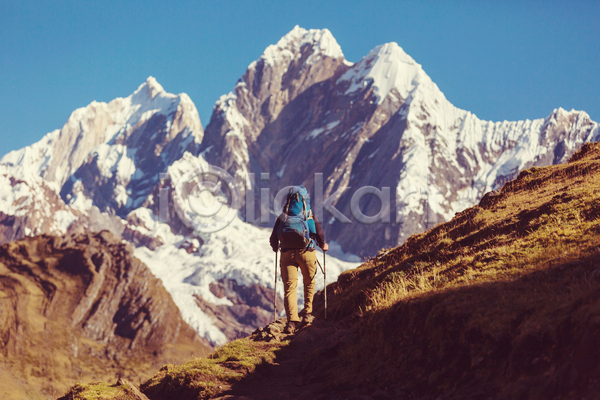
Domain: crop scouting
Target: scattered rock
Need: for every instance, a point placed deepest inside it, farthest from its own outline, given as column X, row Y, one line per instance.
column 275, row 328
column 271, row 332
column 132, row 390
column 307, row 320
column 191, row 245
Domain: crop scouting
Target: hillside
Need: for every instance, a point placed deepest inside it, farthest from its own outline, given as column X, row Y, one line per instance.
column 500, row 302
column 82, row 307
column 300, row 114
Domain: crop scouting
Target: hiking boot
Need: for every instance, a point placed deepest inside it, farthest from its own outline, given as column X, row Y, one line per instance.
column 290, row 327
column 303, row 313
column 307, row 319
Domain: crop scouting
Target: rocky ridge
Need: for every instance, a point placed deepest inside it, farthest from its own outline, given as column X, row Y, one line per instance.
column 82, row 307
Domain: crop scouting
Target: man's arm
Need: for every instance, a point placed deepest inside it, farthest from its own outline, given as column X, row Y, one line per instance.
column 319, row 236
column 273, row 239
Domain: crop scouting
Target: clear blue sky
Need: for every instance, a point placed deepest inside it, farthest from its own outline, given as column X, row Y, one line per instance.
column 504, row 60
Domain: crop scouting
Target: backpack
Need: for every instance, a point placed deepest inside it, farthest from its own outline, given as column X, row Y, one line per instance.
column 297, row 222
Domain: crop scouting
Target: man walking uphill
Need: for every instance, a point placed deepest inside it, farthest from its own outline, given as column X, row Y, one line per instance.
column 295, row 232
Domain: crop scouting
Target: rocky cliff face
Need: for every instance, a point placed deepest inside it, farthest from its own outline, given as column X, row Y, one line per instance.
column 83, row 307
column 118, row 175
column 380, row 122
column 252, row 307
column 235, row 137
column 107, row 157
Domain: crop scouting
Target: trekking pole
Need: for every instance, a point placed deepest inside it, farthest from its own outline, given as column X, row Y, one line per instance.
column 325, row 283
column 324, row 280
column 275, row 291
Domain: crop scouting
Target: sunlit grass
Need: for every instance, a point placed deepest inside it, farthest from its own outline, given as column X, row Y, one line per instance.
column 202, row 377
column 99, row 391
column 524, row 260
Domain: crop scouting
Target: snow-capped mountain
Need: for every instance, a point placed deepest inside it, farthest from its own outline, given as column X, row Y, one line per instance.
column 243, row 119
column 107, row 156
column 107, row 169
column 302, row 109
column 136, row 167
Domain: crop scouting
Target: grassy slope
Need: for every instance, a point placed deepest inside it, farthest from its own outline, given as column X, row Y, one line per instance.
column 501, row 302
column 99, row 391
column 200, row 378
column 203, row 377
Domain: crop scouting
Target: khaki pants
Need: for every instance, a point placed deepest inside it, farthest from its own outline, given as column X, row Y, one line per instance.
column 290, row 261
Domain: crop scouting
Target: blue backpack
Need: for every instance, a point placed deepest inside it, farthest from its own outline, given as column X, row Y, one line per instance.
column 297, row 222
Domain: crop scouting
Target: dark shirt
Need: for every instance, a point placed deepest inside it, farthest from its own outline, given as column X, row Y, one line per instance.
column 319, row 236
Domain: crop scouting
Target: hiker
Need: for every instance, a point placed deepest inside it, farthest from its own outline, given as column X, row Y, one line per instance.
column 295, row 233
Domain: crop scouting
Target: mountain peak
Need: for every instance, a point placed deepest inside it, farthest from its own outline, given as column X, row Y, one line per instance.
column 150, row 87
column 389, row 67
column 321, row 40
column 392, row 52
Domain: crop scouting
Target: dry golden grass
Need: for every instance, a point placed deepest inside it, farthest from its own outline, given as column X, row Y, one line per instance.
column 204, row 377
column 487, row 302
column 99, row 391
column 200, row 378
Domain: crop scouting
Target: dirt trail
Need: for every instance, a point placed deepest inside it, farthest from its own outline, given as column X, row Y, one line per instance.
column 288, row 377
